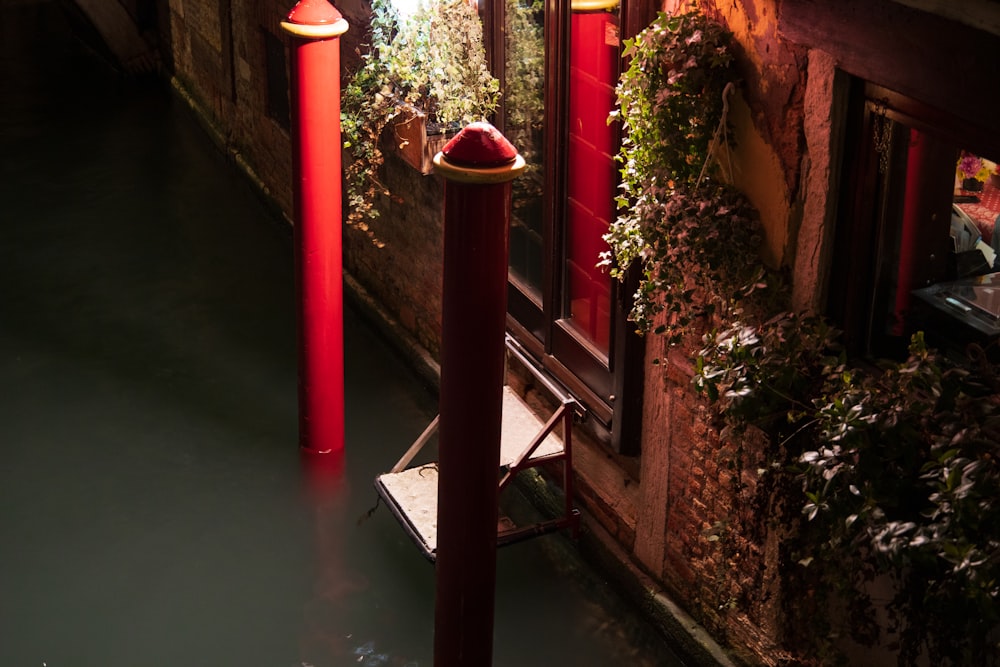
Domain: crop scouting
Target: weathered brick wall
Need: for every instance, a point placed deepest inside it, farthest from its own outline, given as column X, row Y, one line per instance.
column 221, row 62
column 705, row 542
column 196, row 28
column 398, row 256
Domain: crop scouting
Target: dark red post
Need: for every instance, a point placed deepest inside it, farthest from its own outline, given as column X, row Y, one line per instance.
column 316, row 26
column 479, row 165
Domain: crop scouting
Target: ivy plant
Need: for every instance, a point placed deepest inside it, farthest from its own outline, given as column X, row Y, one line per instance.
column 894, row 470
column 686, row 232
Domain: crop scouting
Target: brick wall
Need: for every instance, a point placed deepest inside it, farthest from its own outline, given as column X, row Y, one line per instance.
column 397, row 257
column 221, row 61
column 699, row 530
column 219, row 57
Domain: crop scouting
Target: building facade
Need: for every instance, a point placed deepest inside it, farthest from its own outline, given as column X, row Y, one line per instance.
column 829, row 93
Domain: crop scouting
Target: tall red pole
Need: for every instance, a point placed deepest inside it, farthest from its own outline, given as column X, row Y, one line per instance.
column 316, row 26
column 479, row 165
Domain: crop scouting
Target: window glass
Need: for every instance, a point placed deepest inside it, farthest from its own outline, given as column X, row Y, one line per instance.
column 524, row 126
column 278, row 106
column 965, row 307
column 592, row 178
column 920, row 250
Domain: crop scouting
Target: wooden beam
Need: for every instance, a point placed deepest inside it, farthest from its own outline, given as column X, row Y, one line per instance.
column 980, row 14
column 937, row 61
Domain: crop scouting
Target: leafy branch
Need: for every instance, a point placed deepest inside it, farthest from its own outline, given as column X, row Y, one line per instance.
column 687, row 232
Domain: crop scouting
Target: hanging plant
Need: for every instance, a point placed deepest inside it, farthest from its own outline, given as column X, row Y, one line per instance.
column 693, row 237
column 433, row 63
column 670, row 100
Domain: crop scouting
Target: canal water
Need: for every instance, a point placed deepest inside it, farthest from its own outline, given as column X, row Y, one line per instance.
column 153, row 509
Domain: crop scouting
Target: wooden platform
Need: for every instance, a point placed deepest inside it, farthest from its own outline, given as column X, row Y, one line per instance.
column 411, row 493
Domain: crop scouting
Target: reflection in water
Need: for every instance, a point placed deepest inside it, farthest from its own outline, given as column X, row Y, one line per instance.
column 326, row 493
column 328, row 637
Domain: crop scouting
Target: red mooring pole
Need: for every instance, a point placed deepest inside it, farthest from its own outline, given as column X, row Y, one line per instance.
column 316, row 26
column 478, row 165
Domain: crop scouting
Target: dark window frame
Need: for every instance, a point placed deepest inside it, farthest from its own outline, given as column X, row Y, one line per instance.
column 610, row 388
column 277, row 89
column 868, row 225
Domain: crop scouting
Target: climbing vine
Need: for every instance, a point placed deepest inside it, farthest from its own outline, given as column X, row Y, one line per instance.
column 687, row 232
column 892, row 474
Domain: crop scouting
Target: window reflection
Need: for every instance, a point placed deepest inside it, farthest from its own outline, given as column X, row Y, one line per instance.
column 592, row 177
column 524, row 126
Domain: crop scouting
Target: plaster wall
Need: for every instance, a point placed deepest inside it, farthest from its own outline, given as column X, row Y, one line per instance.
column 767, row 120
column 765, row 115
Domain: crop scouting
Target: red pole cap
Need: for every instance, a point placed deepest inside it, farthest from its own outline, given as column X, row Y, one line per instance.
column 314, row 19
column 479, row 144
column 479, row 154
column 314, row 12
